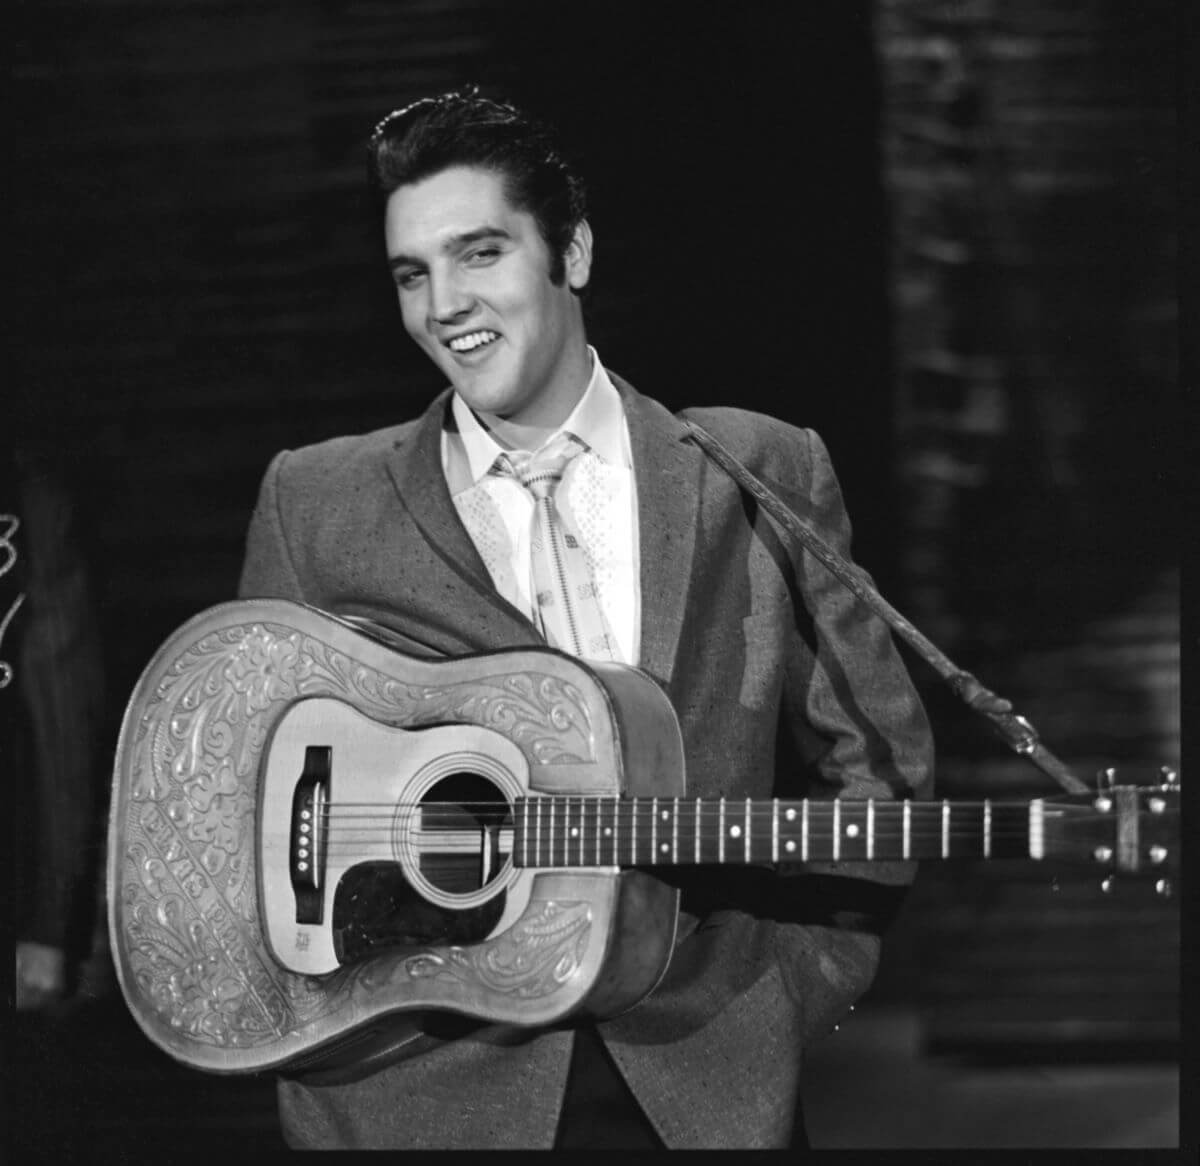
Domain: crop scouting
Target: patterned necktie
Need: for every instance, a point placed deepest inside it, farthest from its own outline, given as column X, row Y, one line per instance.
column 566, row 605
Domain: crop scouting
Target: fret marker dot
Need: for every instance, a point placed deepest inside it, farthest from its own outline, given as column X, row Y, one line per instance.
column 607, row 831
column 664, row 848
column 790, row 815
column 852, row 830
column 789, row 845
column 666, row 814
column 735, row 831
column 574, row 831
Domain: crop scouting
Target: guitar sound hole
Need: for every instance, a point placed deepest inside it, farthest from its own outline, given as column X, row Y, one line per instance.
column 465, row 831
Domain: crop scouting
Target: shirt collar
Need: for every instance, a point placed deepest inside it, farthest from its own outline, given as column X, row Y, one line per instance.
column 598, row 420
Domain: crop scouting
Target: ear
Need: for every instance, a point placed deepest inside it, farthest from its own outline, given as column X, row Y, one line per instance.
column 578, row 256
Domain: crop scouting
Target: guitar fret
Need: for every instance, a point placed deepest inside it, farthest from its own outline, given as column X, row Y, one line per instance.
column 575, row 831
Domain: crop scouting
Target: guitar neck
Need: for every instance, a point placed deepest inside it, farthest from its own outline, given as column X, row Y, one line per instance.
column 608, row 831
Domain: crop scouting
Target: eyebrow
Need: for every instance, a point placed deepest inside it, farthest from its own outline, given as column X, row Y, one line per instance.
column 454, row 243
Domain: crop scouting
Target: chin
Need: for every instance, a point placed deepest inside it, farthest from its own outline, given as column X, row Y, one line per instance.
column 498, row 399
column 496, row 406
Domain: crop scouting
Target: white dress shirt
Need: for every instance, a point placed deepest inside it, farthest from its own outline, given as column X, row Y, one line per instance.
column 597, row 497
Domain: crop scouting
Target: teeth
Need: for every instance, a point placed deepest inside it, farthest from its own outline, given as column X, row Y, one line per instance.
column 472, row 340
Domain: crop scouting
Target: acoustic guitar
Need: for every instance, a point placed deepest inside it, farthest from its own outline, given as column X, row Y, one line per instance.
column 317, row 839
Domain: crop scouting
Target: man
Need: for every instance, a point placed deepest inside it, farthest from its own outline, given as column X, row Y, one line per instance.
column 783, row 683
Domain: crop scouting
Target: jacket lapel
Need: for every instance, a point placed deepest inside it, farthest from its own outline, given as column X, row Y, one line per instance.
column 668, row 472
column 415, row 465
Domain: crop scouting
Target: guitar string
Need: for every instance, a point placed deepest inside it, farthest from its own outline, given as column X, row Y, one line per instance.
column 932, row 818
column 927, row 823
column 707, row 833
column 645, row 805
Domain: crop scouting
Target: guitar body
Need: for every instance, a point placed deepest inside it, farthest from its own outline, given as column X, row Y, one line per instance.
column 310, row 841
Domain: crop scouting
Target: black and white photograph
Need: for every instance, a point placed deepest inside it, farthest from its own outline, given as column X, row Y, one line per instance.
column 597, row 576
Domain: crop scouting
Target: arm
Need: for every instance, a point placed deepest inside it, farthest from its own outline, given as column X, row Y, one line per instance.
column 268, row 569
column 852, row 720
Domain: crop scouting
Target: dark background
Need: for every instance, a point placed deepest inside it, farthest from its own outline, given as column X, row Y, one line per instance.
column 941, row 234
column 202, row 282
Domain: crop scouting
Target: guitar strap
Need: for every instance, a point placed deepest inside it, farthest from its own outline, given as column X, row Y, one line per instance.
column 1015, row 730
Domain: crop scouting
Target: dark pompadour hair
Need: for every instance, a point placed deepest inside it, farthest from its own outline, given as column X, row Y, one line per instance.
column 461, row 128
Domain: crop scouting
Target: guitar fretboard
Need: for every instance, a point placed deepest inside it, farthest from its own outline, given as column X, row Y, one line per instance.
column 610, row 831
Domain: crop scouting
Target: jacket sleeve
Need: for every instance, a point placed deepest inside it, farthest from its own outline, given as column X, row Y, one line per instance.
column 268, row 568
column 853, row 722
column 854, row 716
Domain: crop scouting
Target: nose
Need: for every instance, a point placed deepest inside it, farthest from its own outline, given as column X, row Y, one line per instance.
column 449, row 299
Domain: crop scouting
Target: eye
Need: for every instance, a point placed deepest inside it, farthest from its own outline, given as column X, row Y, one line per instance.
column 407, row 280
column 482, row 256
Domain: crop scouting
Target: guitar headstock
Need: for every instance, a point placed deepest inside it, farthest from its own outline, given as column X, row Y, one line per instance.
column 1121, row 828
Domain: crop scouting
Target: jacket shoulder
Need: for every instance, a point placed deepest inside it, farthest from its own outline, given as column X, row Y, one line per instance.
column 768, row 446
column 337, row 455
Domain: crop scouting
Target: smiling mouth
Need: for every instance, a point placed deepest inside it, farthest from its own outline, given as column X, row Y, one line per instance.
column 473, row 341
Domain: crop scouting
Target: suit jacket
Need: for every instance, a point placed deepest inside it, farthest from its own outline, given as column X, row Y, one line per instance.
column 784, row 685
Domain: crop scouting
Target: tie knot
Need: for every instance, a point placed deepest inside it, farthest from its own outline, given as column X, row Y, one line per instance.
column 541, row 472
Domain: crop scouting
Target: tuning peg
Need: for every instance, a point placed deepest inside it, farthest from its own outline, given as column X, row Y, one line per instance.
column 1170, row 775
column 1106, row 779
column 1164, row 888
column 1107, row 884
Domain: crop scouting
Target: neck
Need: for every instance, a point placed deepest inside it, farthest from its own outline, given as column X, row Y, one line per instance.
column 601, row 831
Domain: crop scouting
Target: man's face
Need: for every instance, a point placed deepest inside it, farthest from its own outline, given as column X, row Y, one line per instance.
column 473, row 278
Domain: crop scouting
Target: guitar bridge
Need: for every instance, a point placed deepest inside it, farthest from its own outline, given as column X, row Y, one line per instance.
column 308, row 835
